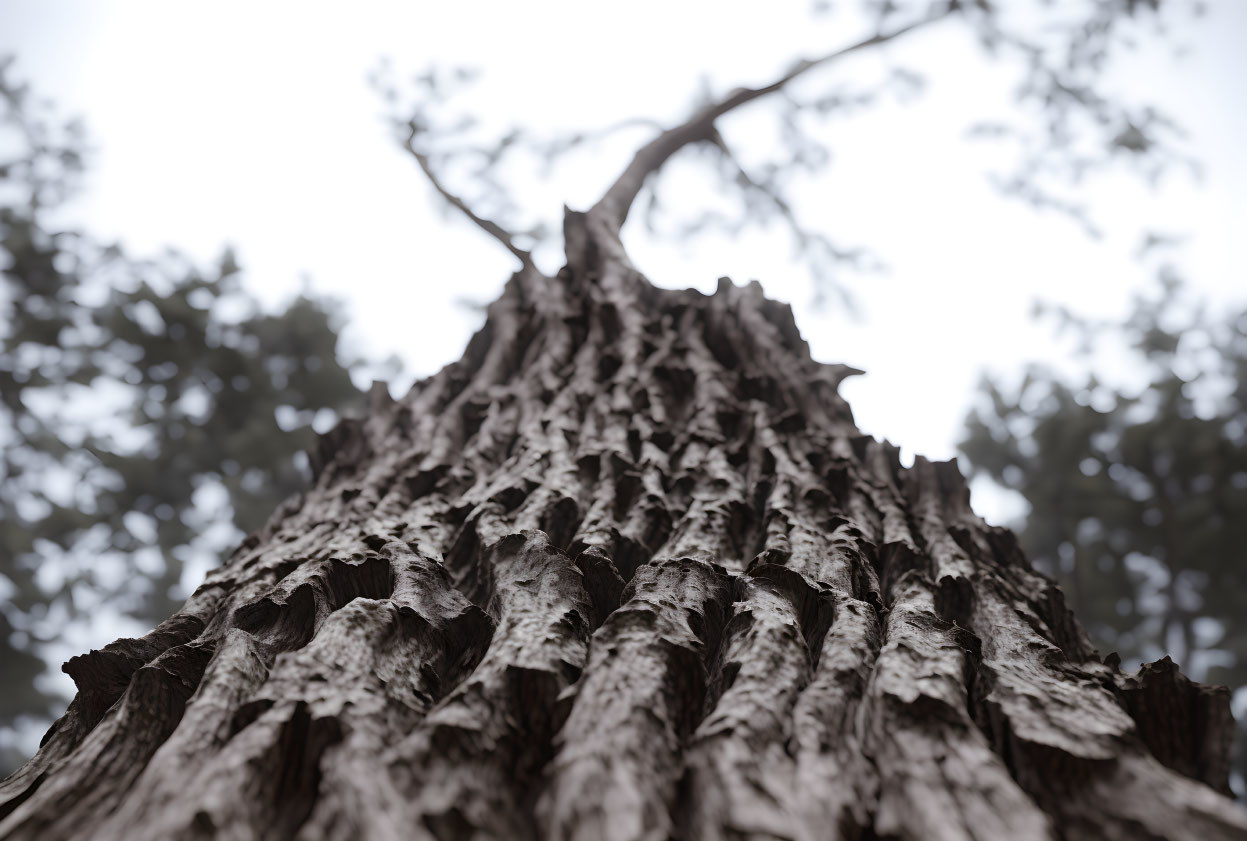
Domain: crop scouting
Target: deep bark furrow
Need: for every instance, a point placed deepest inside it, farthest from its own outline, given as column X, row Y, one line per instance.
column 150, row 811
column 836, row 787
column 1180, row 721
column 473, row 764
column 619, row 753
column 102, row 677
column 1082, row 743
column 626, row 570
column 111, row 757
column 738, row 773
column 941, row 778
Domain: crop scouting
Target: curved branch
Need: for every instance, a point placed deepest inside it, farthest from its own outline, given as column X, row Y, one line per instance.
column 808, row 243
column 781, row 205
column 488, row 226
column 617, row 201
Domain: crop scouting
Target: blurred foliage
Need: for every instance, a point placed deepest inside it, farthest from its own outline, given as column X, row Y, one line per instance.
column 1071, row 122
column 149, row 410
column 1138, row 495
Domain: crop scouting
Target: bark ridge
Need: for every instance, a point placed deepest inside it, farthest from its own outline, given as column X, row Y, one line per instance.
column 627, row 570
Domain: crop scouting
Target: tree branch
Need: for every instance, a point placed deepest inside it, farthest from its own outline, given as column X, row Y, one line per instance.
column 747, row 181
column 811, row 245
column 488, row 226
column 617, row 201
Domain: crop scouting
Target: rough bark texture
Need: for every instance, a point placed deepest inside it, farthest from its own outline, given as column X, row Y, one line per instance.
column 625, row 571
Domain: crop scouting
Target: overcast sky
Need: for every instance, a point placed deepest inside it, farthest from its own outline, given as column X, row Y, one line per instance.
column 253, row 124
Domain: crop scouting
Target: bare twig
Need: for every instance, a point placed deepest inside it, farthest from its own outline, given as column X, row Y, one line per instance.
column 488, row 226
column 748, row 182
column 812, row 245
column 617, row 201
column 559, row 145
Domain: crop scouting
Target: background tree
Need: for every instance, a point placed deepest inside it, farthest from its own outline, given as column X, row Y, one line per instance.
column 1070, row 126
column 1137, row 491
column 151, row 413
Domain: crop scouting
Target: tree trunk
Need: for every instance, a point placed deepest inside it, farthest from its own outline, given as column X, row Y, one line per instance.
column 627, row 570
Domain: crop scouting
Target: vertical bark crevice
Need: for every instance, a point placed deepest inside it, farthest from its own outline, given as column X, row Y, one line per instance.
column 473, row 765
column 627, row 570
column 618, row 755
column 738, row 771
column 939, row 769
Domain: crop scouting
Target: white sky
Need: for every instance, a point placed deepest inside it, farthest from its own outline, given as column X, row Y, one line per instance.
column 252, row 124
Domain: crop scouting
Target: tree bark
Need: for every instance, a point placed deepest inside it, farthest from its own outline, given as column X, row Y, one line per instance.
column 627, row 570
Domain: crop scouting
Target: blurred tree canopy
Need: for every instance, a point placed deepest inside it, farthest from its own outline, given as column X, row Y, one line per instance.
column 1070, row 123
column 1138, row 492
column 150, row 411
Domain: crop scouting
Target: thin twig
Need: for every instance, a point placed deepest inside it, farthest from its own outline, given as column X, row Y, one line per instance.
column 805, row 239
column 617, row 201
column 750, row 183
column 488, row 226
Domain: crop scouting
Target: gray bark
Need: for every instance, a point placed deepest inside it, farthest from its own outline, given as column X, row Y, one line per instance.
column 627, row 570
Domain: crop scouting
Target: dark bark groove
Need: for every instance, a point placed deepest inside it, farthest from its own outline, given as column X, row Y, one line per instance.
column 627, row 570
